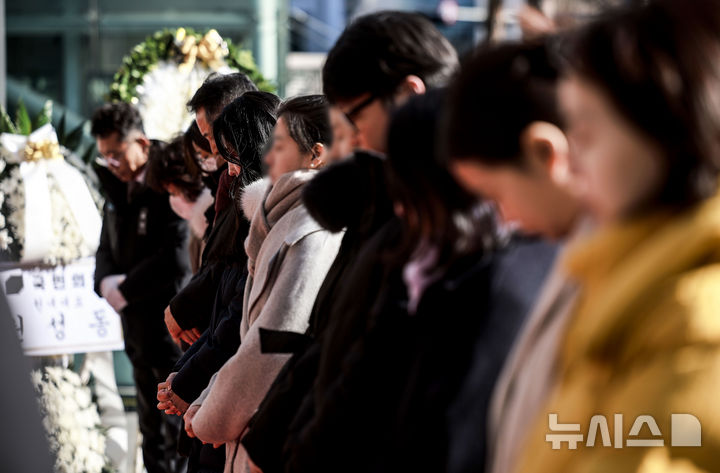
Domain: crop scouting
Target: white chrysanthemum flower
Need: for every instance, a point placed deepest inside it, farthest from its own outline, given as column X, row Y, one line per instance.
column 163, row 97
column 14, row 196
column 68, row 243
column 71, row 421
column 36, row 378
column 83, row 398
column 5, row 239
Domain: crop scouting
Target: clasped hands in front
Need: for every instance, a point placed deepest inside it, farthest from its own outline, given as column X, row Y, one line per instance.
column 172, row 404
column 177, row 333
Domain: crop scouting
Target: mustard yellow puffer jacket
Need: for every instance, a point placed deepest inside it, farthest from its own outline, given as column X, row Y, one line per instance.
column 645, row 341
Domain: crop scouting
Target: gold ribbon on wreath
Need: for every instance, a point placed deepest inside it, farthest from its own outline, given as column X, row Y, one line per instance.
column 211, row 49
column 43, row 149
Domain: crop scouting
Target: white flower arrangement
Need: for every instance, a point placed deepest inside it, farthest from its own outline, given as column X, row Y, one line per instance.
column 71, row 421
column 68, row 243
column 163, row 96
column 64, row 237
column 13, row 207
column 163, row 72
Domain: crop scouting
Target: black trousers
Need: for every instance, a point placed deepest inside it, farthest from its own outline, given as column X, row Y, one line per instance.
column 153, row 355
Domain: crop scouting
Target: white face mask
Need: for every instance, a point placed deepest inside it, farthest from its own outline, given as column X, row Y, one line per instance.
column 209, row 164
column 181, row 206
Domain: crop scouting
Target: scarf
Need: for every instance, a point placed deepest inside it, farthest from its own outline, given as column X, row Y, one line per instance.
column 265, row 204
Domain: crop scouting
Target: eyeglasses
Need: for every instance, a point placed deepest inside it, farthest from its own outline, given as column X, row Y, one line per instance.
column 113, row 158
column 353, row 112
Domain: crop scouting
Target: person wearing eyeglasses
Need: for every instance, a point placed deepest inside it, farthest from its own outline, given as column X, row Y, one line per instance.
column 141, row 263
column 380, row 61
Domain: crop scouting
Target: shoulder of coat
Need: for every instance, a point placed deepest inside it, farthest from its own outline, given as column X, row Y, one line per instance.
column 299, row 224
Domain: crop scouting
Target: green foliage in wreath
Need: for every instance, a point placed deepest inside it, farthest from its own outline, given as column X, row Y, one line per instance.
column 163, row 46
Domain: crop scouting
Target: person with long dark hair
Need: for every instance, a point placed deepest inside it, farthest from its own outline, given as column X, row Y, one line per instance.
column 641, row 354
column 288, row 254
column 250, row 120
column 188, row 313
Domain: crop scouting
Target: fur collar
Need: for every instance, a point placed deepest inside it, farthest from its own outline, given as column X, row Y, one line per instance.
column 253, row 196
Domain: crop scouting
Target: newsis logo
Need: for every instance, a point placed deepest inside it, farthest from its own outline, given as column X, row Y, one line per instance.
column 685, row 432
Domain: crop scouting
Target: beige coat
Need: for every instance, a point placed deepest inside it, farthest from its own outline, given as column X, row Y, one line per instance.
column 288, row 269
column 529, row 372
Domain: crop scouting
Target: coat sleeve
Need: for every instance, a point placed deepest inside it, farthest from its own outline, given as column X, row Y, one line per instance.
column 170, row 262
column 190, row 352
column 243, row 381
column 191, row 307
column 104, row 263
column 219, row 347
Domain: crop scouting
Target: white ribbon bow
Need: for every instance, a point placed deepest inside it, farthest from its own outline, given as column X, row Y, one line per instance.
column 38, row 209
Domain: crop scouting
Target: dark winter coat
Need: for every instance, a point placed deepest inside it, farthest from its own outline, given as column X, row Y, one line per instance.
column 144, row 239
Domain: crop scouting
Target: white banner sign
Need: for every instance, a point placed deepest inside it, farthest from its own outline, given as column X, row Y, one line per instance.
column 56, row 310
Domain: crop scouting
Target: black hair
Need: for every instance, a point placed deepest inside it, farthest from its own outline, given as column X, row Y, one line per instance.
column 498, row 93
column 242, row 131
column 117, row 117
column 166, row 165
column 218, row 91
column 377, row 51
column 308, row 121
column 191, row 138
column 436, row 209
column 659, row 65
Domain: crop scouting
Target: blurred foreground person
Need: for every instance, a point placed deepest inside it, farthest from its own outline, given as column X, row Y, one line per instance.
column 504, row 142
column 641, row 356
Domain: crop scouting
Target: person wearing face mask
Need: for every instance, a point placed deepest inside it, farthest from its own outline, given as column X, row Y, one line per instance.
column 503, row 142
column 199, row 155
column 188, row 197
column 289, row 255
column 201, row 163
column 641, row 353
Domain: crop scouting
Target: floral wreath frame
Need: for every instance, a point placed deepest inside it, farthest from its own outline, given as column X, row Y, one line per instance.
column 169, row 45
